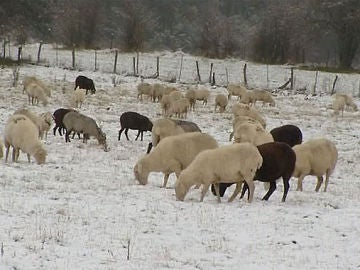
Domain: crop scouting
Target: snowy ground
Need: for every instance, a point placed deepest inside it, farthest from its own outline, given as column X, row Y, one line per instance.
column 84, row 210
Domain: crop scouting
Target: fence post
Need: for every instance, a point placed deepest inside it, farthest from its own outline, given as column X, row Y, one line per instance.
column 198, row 72
column 333, row 87
column 134, row 65
column 4, row 48
column 95, row 60
column 39, row 52
column 181, row 64
column 227, row 77
column 73, row 56
column 19, row 54
column 115, row 62
column 137, row 63
column 213, row 79
column 245, row 79
column 292, row 78
column 157, row 66
column 211, row 68
column 56, row 54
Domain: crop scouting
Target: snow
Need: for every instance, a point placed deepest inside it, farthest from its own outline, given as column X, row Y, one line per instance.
column 83, row 208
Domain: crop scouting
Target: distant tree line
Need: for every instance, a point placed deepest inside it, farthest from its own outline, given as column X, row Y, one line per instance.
column 270, row 31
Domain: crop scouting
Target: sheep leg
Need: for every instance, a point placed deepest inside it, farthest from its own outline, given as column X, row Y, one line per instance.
column 120, row 131
column 319, row 182
column 166, row 178
column 217, row 191
column 326, row 180
column 236, row 191
column 203, row 191
column 126, row 133
column 251, row 185
column 54, row 130
column 299, row 185
column 28, row 156
column 7, row 152
column 270, row 191
column 67, row 134
column 137, row 136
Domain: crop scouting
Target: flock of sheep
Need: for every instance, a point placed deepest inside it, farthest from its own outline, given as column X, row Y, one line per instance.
column 179, row 145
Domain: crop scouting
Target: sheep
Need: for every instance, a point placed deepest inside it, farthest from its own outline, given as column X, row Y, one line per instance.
column 235, row 90
column 35, row 93
column 144, row 89
column 135, row 121
column 348, row 100
column 257, row 95
column 202, row 94
column 157, row 92
column 190, row 95
column 315, row 157
column 85, row 83
column 46, row 123
column 289, row 134
column 179, row 107
column 245, row 110
column 31, row 79
column 278, row 161
column 22, row 134
column 238, row 120
column 78, row 97
column 168, row 127
column 58, row 117
column 77, row 122
column 221, row 101
column 226, row 164
column 42, row 122
column 173, row 154
column 165, row 104
column 338, row 105
column 168, row 89
column 253, row 133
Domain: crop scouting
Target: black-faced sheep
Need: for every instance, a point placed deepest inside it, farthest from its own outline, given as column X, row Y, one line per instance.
column 278, row 161
column 135, row 121
column 85, row 83
column 173, row 154
column 289, row 134
column 79, row 123
column 226, row 164
column 315, row 157
column 22, row 134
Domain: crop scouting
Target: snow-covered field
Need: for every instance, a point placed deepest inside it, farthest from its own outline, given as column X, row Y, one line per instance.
column 83, row 209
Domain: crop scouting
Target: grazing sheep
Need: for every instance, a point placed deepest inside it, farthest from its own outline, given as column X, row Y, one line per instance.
column 315, row 157
column 168, row 89
column 31, row 79
column 245, row 110
column 252, row 133
column 35, row 93
column 58, row 117
column 135, row 121
column 168, row 127
column 42, row 122
column 191, row 96
column 173, row 154
column 235, row 90
column 251, row 96
column 45, row 124
column 202, row 94
column 179, row 107
column 22, row 134
column 238, row 120
column 85, row 83
column 221, row 101
column 348, row 101
column 165, row 104
column 226, row 164
column 289, row 134
column 338, row 105
column 157, row 92
column 144, row 89
column 278, row 161
column 79, row 123
column 78, row 97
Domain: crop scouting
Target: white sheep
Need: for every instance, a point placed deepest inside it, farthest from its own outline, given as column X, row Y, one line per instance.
column 341, row 101
column 202, row 94
column 162, row 128
column 35, row 93
column 245, row 110
column 31, row 79
column 236, row 90
column 221, row 101
column 157, row 92
column 252, row 133
column 238, row 120
column 169, row 88
column 22, row 134
column 349, row 102
column 179, row 107
column 251, row 96
column 226, row 164
column 78, row 97
column 173, row 154
column 315, row 157
column 191, row 96
column 144, row 89
column 165, row 104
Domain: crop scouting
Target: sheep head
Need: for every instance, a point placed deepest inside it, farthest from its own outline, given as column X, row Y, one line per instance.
column 180, row 190
column 140, row 172
column 40, row 155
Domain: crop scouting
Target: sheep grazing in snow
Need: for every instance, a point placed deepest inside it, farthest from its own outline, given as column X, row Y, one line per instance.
column 46, row 123
column 79, row 123
column 278, row 161
column 58, row 117
column 221, row 101
column 179, row 107
column 226, row 164
column 238, row 120
column 31, row 79
column 157, row 92
column 252, row 133
column 236, row 90
column 191, row 96
column 144, row 89
column 165, row 127
column 135, row 121
column 35, row 93
column 22, row 134
column 202, row 94
column 289, row 134
column 78, row 97
column 245, row 110
column 83, row 82
column 338, row 105
column 349, row 102
column 315, row 157
column 173, row 154
column 251, row 96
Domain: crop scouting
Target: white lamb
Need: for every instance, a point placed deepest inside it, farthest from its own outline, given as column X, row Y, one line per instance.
column 236, row 90
column 315, row 157
column 226, row 164
column 221, row 101
column 31, row 79
column 245, row 110
column 22, row 134
column 35, row 93
column 173, row 154
column 252, row 133
column 78, row 97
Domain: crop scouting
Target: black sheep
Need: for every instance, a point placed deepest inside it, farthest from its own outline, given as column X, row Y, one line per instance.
column 278, row 161
column 288, row 134
column 58, row 116
column 135, row 121
column 85, row 83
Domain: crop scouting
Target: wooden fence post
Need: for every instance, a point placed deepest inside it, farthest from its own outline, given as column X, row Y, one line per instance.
column 333, row 87
column 245, row 78
column 227, row 76
column 95, row 60
column 292, row 78
column 157, row 66
column 211, row 68
column 137, row 63
column 73, row 57
column 314, row 89
column 4, row 48
column 39, row 53
column 19, row 54
column 181, row 64
column 198, row 72
column 134, row 65
column 115, row 62
column 213, row 79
